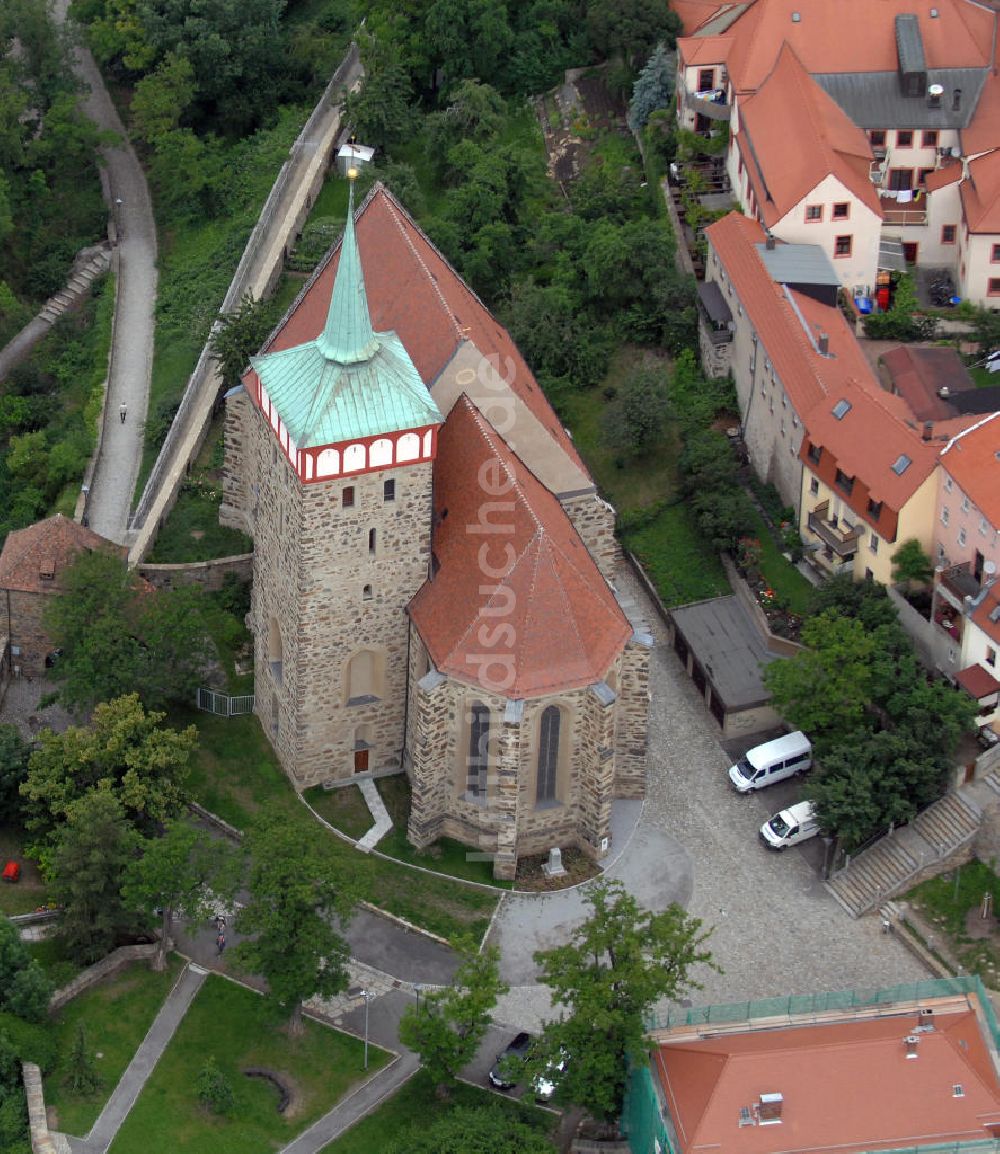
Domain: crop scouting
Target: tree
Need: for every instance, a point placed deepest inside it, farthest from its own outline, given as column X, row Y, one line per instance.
column 14, row 753
column 118, row 636
column 239, row 335
column 447, row 1026
column 82, row 1076
column 175, row 875
column 653, row 89
column 911, row 565
column 214, row 1089
column 24, row 987
column 296, row 887
column 826, row 688
column 473, row 1130
column 636, row 418
column 630, row 29
column 161, row 98
column 91, row 854
column 124, row 753
column 468, row 38
column 381, row 113
column 619, row 963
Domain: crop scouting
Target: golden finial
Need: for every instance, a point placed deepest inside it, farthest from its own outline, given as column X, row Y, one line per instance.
column 352, row 174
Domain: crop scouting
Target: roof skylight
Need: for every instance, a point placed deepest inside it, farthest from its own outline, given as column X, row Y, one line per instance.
column 841, row 409
column 901, row 464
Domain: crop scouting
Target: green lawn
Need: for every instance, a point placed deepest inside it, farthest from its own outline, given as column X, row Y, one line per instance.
column 236, row 775
column 947, row 901
column 417, row 1104
column 680, row 563
column 116, row 1015
column 29, row 893
column 192, row 531
column 236, row 1027
column 344, row 808
column 781, row 575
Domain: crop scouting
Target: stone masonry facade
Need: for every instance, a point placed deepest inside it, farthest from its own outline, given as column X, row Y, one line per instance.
column 29, row 639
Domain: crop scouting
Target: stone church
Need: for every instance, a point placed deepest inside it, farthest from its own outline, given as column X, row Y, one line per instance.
column 432, row 562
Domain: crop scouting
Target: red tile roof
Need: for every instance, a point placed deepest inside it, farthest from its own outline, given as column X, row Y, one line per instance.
column 517, row 604
column 414, row 292
column 981, row 134
column 855, row 36
column 977, row 681
column 791, row 106
column 981, row 194
column 694, row 13
column 47, row 546
column 918, row 374
column 845, row 1086
column 987, row 613
column 973, row 459
column 704, row 49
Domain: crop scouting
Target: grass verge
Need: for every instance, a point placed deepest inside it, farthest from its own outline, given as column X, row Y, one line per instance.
column 951, row 903
column 237, row 776
column 416, row 1103
column 235, row 1026
column 27, row 894
column 677, row 559
column 781, row 575
column 115, row 1016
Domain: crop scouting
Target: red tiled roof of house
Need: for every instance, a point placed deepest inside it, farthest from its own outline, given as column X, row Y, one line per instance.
column 981, row 133
column 846, row 1086
column 942, row 177
column 704, row 49
column 919, row 374
column 694, row 13
column 987, row 613
column 517, row 604
column 977, row 681
column 973, row 459
column 414, row 292
column 791, row 106
column 855, row 36
column 806, row 376
column 48, row 546
column 981, row 194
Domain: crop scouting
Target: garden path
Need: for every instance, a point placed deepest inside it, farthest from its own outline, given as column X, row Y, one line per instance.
column 143, row 1063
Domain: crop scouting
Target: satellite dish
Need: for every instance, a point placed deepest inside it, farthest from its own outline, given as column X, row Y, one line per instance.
column 989, row 568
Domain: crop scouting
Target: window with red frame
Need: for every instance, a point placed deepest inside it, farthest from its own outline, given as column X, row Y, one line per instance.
column 904, row 138
column 877, row 137
column 929, row 139
column 949, row 233
column 706, row 79
column 995, row 254
column 814, row 213
column 994, row 286
column 843, row 245
column 842, row 211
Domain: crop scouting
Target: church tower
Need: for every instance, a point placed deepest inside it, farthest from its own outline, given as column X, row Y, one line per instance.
column 337, row 436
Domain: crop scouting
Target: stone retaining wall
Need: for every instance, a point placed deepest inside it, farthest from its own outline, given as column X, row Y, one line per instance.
column 744, row 594
column 208, row 574
column 115, row 961
column 38, row 1125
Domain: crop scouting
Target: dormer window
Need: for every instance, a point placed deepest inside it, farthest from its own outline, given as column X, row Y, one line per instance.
column 47, row 569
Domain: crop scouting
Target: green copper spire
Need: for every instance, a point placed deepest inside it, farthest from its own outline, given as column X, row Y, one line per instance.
column 347, row 336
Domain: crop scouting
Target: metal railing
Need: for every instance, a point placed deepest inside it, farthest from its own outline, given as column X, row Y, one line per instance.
column 210, row 701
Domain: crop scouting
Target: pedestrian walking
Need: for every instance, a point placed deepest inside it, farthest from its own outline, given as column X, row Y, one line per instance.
column 220, row 923
column 122, row 411
column 220, row 941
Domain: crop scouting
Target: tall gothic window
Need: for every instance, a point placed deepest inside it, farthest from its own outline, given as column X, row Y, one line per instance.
column 479, row 749
column 548, row 753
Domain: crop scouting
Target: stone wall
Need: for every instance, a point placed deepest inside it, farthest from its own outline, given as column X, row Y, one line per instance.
column 632, row 719
column 234, row 512
column 594, row 519
column 27, row 633
column 38, row 1122
column 115, row 961
column 744, row 595
column 209, row 575
column 716, row 359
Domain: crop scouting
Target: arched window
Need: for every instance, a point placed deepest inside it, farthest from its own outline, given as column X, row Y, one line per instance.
column 354, row 458
column 408, row 447
column 380, row 452
column 479, row 749
column 366, row 593
column 548, row 753
column 275, row 654
column 328, row 463
column 362, row 678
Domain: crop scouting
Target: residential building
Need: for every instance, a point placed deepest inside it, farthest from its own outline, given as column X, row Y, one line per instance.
column 966, row 605
column 868, row 129
column 431, row 560
column 902, row 1068
column 32, row 566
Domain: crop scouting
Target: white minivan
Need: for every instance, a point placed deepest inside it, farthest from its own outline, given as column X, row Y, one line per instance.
column 773, row 761
column 791, row 826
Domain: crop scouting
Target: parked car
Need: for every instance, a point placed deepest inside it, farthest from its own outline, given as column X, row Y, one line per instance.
column 11, row 872
column 790, row 826
column 771, row 762
column 505, row 1072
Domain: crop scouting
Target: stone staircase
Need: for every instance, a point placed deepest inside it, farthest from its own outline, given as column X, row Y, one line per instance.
column 90, row 264
column 888, row 866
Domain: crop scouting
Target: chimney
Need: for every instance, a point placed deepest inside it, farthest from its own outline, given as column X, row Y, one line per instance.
column 823, row 344
column 928, row 430
column 769, row 1109
column 912, row 1041
column 956, row 100
column 934, row 94
column 944, row 392
column 769, row 242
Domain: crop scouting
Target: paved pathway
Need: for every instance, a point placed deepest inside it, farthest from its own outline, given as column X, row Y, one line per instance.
column 132, row 358
column 143, row 1063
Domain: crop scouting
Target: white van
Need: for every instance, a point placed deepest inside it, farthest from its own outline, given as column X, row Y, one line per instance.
column 792, row 825
column 773, row 761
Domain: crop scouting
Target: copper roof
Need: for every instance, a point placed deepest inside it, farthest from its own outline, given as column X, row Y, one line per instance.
column 517, row 604
column 846, row 1086
column 48, row 546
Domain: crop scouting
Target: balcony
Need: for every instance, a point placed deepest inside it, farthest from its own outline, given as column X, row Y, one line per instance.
column 959, row 582
column 840, row 537
column 891, row 214
column 947, row 620
column 712, row 105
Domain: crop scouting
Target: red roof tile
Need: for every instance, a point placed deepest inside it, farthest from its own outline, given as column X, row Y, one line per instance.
column 919, row 374
column 519, row 607
column 987, row 613
column 47, row 546
column 414, row 292
column 981, row 193
column 704, row 49
column 694, row 13
column 855, row 36
column 981, row 134
column 845, row 1086
column 973, row 459
column 790, row 105
column 977, row 681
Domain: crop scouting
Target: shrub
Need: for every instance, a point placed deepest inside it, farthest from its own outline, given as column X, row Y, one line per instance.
column 214, row 1090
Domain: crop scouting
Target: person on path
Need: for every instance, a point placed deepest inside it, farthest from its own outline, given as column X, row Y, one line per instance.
column 122, row 410
column 220, row 941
